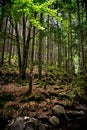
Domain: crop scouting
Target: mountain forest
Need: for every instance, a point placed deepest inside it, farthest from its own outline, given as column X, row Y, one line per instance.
column 43, row 64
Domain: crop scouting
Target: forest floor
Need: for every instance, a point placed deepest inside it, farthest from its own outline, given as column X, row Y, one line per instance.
column 39, row 103
column 15, row 102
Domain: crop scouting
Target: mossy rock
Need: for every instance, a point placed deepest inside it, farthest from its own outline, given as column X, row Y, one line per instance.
column 58, row 110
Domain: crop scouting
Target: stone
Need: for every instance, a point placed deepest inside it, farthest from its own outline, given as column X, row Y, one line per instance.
column 28, row 128
column 43, row 118
column 54, row 121
column 33, row 123
column 58, row 110
column 41, row 127
column 19, row 124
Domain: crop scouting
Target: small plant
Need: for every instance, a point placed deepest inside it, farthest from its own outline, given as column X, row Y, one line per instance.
column 25, row 98
column 39, row 97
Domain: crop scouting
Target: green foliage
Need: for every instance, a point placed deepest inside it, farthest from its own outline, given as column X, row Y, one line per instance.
column 6, row 57
column 39, row 1
column 29, row 7
column 14, row 60
column 39, row 97
column 40, row 83
column 19, row 81
column 8, row 73
column 31, row 97
column 25, row 98
column 79, row 81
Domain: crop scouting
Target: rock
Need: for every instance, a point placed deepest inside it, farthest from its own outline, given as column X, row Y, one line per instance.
column 43, row 118
column 74, row 125
column 75, row 114
column 54, row 121
column 25, row 123
column 26, row 118
column 33, row 123
column 44, row 109
column 41, row 127
column 3, row 123
column 58, row 110
column 28, row 128
column 19, row 124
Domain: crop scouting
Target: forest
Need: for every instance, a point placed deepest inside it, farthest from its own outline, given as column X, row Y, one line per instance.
column 43, row 64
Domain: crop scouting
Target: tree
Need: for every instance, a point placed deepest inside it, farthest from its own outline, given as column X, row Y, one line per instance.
column 28, row 8
column 40, row 49
column 4, row 41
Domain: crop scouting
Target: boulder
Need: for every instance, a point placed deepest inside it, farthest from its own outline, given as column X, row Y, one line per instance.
column 54, row 121
column 19, row 124
column 25, row 123
column 33, row 123
column 58, row 110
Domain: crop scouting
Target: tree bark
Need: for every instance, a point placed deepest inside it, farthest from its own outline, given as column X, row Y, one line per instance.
column 10, row 49
column 18, row 49
column 3, row 46
column 40, row 49
column 31, row 63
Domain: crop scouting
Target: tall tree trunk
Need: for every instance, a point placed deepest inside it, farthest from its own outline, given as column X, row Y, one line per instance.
column 18, row 49
column 40, row 49
column 10, row 49
column 3, row 46
column 31, row 63
column 32, row 59
column 80, row 39
column 59, row 47
column 51, row 48
column 86, row 8
column 24, row 47
column 25, row 55
column 22, row 58
column 70, row 43
column 85, row 57
column 47, row 56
